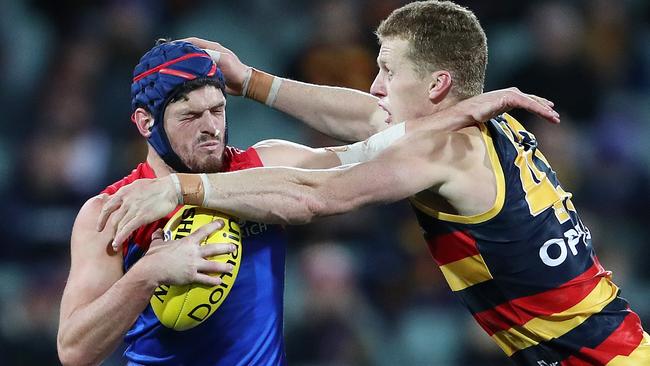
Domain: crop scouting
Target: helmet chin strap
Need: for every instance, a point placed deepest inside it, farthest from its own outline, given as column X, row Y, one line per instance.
column 160, row 142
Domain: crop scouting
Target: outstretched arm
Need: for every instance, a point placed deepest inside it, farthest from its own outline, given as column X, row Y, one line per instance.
column 148, row 200
column 342, row 113
column 297, row 196
column 290, row 195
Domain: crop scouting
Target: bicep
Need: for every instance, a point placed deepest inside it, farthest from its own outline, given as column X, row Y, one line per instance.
column 290, row 154
column 407, row 167
column 94, row 267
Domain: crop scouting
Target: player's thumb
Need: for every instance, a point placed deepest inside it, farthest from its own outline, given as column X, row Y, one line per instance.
column 157, row 236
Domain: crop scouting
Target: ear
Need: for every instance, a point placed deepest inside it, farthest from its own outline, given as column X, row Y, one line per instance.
column 440, row 86
column 144, row 120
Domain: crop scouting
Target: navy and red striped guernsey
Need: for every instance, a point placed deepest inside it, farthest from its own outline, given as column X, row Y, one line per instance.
column 526, row 269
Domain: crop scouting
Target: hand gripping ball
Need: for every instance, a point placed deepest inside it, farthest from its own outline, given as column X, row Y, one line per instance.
column 182, row 307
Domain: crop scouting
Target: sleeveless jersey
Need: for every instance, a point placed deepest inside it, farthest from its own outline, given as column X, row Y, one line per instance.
column 247, row 328
column 526, row 269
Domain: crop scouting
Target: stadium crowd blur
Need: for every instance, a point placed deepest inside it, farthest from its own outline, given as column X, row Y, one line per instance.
column 361, row 289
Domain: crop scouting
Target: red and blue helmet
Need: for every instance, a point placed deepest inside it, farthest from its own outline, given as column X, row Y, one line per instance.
column 159, row 73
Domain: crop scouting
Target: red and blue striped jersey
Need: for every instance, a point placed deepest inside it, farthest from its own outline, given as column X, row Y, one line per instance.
column 247, row 328
column 526, row 268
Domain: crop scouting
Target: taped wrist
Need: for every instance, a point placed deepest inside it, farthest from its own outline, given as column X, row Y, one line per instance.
column 261, row 87
column 191, row 189
column 195, row 189
column 177, row 188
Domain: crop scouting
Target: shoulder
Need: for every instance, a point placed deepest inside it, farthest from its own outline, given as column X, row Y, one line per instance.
column 85, row 225
column 91, row 208
column 143, row 170
column 446, row 147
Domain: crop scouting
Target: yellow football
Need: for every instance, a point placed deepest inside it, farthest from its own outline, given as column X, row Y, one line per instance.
column 182, row 307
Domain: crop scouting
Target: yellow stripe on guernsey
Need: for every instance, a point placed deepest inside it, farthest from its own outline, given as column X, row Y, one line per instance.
column 548, row 327
column 640, row 355
column 466, row 272
column 422, row 203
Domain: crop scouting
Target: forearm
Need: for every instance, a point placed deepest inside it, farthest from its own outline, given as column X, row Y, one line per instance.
column 93, row 331
column 342, row 113
column 274, row 195
column 271, row 195
column 281, row 195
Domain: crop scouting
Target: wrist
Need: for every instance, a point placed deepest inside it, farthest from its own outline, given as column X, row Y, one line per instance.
column 176, row 190
column 261, row 86
column 194, row 189
column 145, row 273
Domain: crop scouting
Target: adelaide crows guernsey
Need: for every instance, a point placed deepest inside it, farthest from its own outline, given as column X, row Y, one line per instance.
column 247, row 328
column 526, row 269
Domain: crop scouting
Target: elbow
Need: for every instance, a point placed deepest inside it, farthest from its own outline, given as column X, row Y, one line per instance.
column 325, row 205
column 70, row 355
column 310, row 207
column 307, row 208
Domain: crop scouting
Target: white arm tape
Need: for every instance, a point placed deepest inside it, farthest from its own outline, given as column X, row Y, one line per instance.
column 177, row 186
column 207, row 189
column 215, row 55
column 273, row 93
column 368, row 149
column 247, row 80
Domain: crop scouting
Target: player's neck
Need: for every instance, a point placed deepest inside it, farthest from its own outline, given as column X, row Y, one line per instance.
column 447, row 102
column 157, row 164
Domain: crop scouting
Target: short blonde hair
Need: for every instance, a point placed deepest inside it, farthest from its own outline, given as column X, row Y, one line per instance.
column 442, row 35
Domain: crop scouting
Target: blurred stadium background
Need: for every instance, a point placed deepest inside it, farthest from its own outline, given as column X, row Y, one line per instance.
column 361, row 289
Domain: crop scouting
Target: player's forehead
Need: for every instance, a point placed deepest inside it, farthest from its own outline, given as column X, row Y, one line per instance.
column 206, row 97
column 392, row 50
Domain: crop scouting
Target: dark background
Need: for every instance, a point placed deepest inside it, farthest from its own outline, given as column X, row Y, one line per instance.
column 361, row 288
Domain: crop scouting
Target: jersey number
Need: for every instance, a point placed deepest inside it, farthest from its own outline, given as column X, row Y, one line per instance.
column 534, row 171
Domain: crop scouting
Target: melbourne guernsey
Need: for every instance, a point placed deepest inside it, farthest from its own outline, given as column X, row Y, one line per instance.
column 247, row 328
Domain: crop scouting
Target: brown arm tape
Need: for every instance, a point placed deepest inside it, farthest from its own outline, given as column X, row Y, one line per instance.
column 259, row 86
column 191, row 189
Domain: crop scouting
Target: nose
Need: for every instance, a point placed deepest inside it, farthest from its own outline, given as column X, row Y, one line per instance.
column 378, row 87
column 210, row 123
